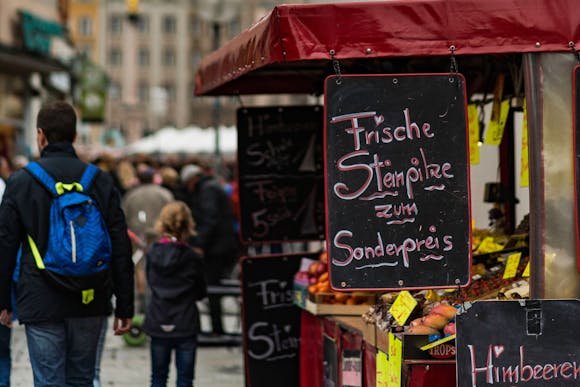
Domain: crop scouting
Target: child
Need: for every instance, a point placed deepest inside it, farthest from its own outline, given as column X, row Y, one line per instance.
column 175, row 278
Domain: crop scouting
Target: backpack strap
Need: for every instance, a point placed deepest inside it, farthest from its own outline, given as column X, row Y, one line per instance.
column 88, row 176
column 42, row 177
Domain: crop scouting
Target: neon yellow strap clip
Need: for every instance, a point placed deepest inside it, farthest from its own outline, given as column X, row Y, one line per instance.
column 62, row 187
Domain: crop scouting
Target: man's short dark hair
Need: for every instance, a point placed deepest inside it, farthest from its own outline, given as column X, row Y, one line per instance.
column 58, row 121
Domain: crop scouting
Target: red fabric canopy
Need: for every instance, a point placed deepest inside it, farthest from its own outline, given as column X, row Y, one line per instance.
column 284, row 51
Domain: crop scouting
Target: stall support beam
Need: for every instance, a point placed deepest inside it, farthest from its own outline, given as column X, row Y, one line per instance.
column 507, row 174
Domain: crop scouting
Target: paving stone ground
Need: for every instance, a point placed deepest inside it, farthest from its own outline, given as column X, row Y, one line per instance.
column 124, row 366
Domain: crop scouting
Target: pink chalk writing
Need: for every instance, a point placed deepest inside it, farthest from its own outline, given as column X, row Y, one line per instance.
column 387, row 180
column 490, row 373
column 398, row 252
column 385, row 135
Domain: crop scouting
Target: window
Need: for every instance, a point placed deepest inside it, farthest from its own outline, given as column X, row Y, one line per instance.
column 234, row 27
column 143, row 91
column 115, row 24
column 85, row 50
column 85, row 26
column 115, row 57
column 168, row 24
column 168, row 57
column 170, row 89
column 143, row 24
column 195, row 59
column 194, row 24
column 114, row 90
column 143, row 57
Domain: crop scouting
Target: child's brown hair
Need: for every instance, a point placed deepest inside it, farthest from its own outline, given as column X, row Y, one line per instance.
column 175, row 220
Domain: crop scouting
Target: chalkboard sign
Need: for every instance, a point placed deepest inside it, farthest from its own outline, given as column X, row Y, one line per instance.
column 397, row 181
column 519, row 343
column 280, row 172
column 576, row 129
column 271, row 321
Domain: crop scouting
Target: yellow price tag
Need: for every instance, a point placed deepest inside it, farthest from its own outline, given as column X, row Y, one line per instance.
column 403, row 307
column 511, row 267
column 524, row 173
column 382, row 369
column 494, row 132
column 395, row 361
column 526, row 272
column 473, row 117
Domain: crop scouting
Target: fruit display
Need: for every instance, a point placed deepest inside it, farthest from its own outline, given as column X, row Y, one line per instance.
column 317, row 280
column 488, row 284
column 435, row 311
column 428, row 318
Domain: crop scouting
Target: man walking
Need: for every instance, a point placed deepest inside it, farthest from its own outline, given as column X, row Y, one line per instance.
column 214, row 217
column 62, row 328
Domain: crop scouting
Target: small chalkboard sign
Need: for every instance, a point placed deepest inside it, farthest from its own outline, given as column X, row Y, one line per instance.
column 271, row 320
column 397, row 181
column 576, row 133
column 513, row 343
column 280, row 172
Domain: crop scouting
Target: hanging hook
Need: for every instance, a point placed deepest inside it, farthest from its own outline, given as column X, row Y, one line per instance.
column 572, row 46
column 453, row 67
column 336, row 66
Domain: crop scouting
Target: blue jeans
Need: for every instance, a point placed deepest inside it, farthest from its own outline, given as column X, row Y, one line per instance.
column 63, row 353
column 5, row 363
column 100, row 348
column 185, row 349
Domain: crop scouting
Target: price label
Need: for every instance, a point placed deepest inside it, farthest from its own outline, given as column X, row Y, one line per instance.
column 511, row 267
column 473, row 116
column 526, row 272
column 395, row 361
column 403, row 307
column 382, row 369
column 495, row 128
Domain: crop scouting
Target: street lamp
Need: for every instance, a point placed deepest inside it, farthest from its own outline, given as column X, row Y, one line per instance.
column 217, row 13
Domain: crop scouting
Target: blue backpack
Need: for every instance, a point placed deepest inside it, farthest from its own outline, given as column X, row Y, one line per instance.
column 79, row 246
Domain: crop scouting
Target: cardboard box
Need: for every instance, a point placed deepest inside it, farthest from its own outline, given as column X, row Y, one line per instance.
column 418, row 347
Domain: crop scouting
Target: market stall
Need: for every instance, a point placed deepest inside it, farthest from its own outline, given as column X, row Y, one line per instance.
column 515, row 58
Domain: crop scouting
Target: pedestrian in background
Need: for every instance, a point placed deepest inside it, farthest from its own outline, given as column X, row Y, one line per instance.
column 175, row 278
column 142, row 205
column 5, row 335
column 213, row 212
column 62, row 328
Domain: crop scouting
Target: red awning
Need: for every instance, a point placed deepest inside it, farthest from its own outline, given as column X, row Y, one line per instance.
column 289, row 51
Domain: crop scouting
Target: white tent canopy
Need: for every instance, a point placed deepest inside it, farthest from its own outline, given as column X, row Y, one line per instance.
column 191, row 140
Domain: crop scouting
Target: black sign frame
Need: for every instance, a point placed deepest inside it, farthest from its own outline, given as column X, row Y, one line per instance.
column 416, row 235
column 516, row 337
column 280, row 173
column 271, row 330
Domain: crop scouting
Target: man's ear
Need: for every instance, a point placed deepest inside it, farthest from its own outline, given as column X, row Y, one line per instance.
column 41, row 139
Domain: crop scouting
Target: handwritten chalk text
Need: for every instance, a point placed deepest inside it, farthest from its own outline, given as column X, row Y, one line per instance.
column 394, row 251
column 520, row 373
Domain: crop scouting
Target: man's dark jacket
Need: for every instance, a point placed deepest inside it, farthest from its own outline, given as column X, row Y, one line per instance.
column 213, row 213
column 25, row 211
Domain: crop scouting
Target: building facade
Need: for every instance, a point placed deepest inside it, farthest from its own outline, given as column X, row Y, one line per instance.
column 150, row 50
column 35, row 58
